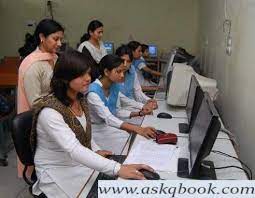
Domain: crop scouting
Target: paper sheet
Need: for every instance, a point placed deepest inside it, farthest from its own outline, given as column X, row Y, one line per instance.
column 161, row 157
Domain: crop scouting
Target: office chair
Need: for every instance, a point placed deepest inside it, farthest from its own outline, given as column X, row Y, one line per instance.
column 22, row 125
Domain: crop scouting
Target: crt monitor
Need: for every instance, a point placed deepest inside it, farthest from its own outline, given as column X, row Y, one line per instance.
column 194, row 100
column 153, row 50
column 109, row 47
column 180, row 82
column 202, row 136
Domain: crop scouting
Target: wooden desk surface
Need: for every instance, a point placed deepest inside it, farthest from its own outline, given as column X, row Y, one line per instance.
column 9, row 72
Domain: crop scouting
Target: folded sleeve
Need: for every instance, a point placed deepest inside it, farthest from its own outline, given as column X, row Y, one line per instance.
column 139, row 95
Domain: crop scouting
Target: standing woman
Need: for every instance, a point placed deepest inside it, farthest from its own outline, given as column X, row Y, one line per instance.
column 92, row 40
column 65, row 154
column 92, row 46
column 35, row 71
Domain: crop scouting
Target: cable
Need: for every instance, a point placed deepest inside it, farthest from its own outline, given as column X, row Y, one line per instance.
column 225, row 9
column 227, row 155
column 224, row 167
column 232, row 138
column 242, row 163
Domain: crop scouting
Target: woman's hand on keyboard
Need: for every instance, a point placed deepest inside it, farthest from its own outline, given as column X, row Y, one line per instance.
column 148, row 132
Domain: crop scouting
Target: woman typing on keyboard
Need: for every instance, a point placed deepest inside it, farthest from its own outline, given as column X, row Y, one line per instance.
column 108, row 107
column 65, row 153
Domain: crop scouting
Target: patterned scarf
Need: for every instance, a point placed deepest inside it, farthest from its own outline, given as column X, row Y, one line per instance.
column 52, row 102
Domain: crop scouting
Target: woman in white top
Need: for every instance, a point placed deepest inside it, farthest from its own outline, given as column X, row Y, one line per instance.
column 92, row 46
column 106, row 107
column 131, row 86
column 92, row 40
column 140, row 66
column 35, row 71
column 65, row 154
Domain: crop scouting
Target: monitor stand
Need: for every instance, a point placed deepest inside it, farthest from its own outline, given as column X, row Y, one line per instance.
column 184, row 128
column 206, row 172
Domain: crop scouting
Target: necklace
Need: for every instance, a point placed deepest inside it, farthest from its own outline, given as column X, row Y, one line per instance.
column 76, row 112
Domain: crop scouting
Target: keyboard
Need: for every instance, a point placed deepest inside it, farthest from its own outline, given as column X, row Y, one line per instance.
column 102, row 176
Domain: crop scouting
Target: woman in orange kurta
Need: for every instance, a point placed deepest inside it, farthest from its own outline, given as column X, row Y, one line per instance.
column 35, row 71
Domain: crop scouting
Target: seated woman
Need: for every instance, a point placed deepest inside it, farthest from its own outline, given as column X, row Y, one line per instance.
column 106, row 104
column 131, row 86
column 65, row 153
column 140, row 66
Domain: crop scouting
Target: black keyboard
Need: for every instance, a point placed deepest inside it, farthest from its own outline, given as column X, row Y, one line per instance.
column 102, row 176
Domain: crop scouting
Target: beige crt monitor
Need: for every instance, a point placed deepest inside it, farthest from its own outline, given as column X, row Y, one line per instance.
column 179, row 86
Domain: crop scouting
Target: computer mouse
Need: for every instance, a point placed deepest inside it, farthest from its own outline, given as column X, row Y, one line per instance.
column 150, row 175
column 164, row 115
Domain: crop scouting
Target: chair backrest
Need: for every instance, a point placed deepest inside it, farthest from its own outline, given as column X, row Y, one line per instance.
column 22, row 125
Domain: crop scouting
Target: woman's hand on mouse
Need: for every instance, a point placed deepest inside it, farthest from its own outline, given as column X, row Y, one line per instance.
column 148, row 132
column 131, row 171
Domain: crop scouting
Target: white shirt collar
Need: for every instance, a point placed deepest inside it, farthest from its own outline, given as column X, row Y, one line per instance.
column 98, row 82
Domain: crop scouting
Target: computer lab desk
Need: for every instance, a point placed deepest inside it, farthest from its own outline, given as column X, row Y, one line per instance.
column 222, row 143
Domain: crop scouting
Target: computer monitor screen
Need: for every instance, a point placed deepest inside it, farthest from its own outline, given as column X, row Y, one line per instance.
column 194, row 100
column 202, row 135
column 195, row 97
column 153, row 50
column 109, row 47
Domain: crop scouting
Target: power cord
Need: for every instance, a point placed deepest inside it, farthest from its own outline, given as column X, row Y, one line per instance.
column 232, row 138
column 249, row 172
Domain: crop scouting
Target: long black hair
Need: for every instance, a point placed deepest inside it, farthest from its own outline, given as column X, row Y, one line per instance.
column 144, row 47
column 109, row 62
column 123, row 50
column 93, row 25
column 70, row 65
column 133, row 45
column 45, row 27
column 95, row 73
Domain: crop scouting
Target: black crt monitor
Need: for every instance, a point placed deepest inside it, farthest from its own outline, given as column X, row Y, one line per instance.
column 153, row 50
column 194, row 100
column 109, row 46
column 201, row 140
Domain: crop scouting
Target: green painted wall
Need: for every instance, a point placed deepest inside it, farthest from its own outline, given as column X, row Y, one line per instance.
column 164, row 22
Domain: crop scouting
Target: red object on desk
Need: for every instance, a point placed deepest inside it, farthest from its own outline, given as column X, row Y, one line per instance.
column 167, row 138
column 9, row 72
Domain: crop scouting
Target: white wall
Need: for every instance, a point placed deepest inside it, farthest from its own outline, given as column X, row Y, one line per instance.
column 235, row 73
column 164, row 22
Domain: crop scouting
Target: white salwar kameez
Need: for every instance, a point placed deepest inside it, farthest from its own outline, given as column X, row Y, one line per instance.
column 96, row 53
column 62, row 164
column 105, row 126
